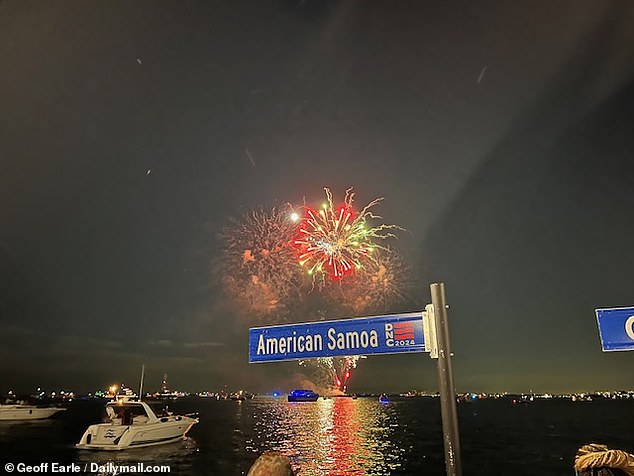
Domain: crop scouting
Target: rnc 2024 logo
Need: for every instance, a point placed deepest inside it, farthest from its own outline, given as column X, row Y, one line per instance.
column 399, row 334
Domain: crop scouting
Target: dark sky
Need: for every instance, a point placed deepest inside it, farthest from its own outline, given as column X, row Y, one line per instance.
column 500, row 135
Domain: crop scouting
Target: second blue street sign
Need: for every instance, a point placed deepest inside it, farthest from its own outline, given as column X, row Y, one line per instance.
column 616, row 328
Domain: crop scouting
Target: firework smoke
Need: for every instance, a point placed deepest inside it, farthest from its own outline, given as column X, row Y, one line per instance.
column 258, row 269
column 383, row 282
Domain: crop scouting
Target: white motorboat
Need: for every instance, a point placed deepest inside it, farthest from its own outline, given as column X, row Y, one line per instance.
column 133, row 424
column 20, row 411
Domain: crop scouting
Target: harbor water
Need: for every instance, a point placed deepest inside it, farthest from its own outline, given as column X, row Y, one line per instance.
column 345, row 436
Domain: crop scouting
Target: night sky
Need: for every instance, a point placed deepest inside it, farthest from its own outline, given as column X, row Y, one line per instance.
column 500, row 135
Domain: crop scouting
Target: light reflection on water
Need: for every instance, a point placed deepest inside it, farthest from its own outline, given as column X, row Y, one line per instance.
column 343, row 436
column 334, row 436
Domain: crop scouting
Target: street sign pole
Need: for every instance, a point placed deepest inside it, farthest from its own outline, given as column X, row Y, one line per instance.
column 447, row 389
column 425, row 331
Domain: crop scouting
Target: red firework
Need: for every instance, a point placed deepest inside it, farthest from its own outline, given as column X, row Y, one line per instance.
column 335, row 241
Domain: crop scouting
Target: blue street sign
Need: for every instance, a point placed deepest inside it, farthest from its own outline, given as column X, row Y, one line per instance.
column 616, row 328
column 390, row 334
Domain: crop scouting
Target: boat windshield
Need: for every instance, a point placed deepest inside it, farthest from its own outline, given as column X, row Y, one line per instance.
column 126, row 412
column 159, row 409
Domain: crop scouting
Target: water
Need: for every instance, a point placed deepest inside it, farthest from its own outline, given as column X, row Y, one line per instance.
column 343, row 436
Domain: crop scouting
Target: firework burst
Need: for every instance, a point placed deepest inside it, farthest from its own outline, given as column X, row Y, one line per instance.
column 336, row 241
column 314, row 263
column 331, row 373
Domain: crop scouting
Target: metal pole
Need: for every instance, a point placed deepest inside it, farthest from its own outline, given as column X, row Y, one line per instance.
column 446, row 384
column 141, row 384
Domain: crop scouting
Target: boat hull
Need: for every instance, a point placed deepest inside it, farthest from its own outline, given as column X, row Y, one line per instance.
column 303, row 396
column 109, row 437
column 27, row 412
column 303, row 399
column 106, row 447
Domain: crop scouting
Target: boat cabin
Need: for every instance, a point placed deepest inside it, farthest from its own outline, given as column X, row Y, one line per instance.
column 130, row 413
